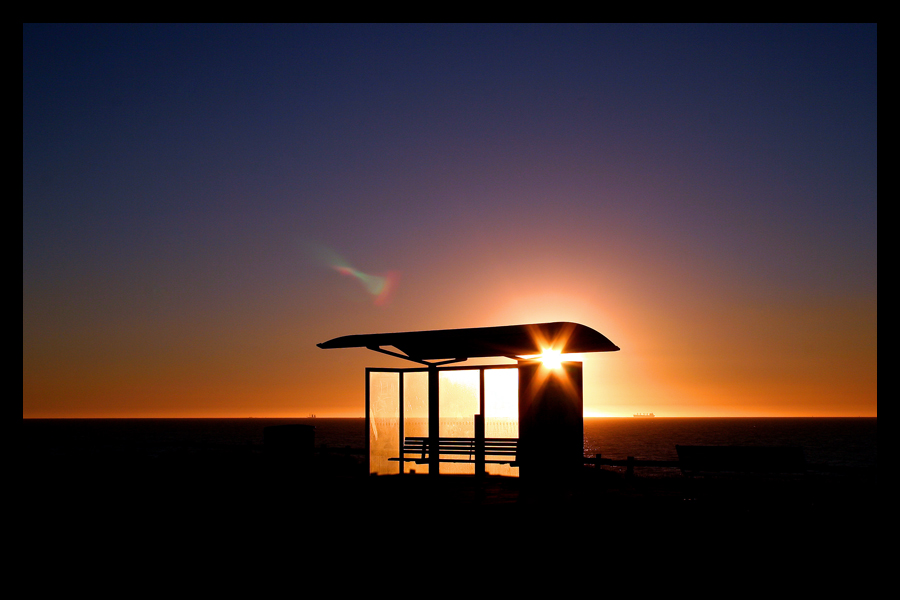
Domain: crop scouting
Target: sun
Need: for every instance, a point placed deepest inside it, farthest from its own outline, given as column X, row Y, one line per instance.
column 551, row 358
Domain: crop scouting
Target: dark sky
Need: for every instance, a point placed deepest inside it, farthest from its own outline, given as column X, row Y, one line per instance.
column 204, row 204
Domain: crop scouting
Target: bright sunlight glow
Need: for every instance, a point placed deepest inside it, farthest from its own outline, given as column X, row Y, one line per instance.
column 552, row 359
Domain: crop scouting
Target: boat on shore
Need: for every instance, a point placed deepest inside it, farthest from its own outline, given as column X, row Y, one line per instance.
column 644, row 415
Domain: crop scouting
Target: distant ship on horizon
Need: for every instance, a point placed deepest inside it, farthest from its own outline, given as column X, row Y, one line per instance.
column 644, row 415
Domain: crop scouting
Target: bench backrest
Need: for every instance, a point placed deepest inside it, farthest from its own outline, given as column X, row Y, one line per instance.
column 448, row 445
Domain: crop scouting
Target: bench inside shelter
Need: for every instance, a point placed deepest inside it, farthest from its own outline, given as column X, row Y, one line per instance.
column 460, row 450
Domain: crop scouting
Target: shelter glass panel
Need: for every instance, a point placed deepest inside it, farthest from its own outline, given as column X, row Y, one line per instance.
column 384, row 421
column 415, row 412
column 501, row 412
column 459, row 403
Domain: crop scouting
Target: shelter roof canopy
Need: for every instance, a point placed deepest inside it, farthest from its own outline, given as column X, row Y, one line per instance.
column 479, row 342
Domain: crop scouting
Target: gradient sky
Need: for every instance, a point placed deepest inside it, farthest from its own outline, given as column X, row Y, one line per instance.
column 203, row 204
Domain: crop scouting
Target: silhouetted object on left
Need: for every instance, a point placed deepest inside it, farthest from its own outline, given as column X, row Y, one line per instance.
column 469, row 427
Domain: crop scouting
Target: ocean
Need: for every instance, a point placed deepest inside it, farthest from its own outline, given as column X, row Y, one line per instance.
column 834, row 442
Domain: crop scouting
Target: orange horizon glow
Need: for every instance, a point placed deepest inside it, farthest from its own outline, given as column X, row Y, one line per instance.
column 751, row 360
column 330, row 385
column 615, row 385
column 587, row 415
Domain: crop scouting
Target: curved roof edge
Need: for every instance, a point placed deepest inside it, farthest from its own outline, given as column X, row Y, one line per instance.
column 482, row 342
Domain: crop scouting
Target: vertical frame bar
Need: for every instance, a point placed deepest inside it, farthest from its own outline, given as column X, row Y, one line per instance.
column 368, row 426
column 481, row 391
column 401, row 434
column 434, row 421
column 479, row 428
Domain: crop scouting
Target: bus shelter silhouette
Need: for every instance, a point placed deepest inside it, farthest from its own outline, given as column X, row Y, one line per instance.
column 441, row 417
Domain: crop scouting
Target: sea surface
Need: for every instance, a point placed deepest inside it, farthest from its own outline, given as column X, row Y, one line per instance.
column 832, row 442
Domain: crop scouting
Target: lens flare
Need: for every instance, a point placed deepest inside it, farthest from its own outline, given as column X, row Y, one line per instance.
column 380, row 287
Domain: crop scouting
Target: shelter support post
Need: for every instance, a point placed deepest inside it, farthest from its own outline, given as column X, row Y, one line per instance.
column 434, row 420
column 479, row 446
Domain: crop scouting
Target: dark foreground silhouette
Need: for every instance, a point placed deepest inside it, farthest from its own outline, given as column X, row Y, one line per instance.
column 333, row 484
column 115, row 517
column 260, row 516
